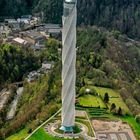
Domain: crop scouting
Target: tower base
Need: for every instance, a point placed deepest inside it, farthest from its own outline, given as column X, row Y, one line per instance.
column 66, row 129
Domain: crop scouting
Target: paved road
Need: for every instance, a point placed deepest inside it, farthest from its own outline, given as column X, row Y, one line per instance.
column 13, row 106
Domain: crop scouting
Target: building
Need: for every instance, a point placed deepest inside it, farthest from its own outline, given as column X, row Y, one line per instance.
column 33, row 76
column 51, row 26
column 36, row 47
column 15, row 26
column 4, row 31
column 53, row 30
column 25, row 19
column 46, row 66
column 55, row 33
column 50, row 30
column 10, row 39
column 10, row 20
column 33, row 37
column 20, row 42
column 68, row 66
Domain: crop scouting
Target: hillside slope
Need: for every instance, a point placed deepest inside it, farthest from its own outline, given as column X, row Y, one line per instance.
column 104, row 59
column 109, row 59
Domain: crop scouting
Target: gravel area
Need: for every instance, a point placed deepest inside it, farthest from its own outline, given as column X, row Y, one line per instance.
column 112, row 130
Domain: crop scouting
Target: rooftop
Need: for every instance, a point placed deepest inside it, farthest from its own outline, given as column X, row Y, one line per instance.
column 20, row 40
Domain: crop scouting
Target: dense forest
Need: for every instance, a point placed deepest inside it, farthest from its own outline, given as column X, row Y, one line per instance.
column 16, row 62
column 123, row 15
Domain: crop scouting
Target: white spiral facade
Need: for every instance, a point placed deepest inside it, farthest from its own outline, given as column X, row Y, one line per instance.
column 69, row 63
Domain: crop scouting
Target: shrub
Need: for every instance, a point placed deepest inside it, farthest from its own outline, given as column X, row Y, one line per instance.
column 30, row 130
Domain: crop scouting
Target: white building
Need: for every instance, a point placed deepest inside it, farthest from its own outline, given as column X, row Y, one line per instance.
column 20, row 41
column 46, row 66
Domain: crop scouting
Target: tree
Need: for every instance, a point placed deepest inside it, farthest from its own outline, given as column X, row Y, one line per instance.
column 119, row 111
column 16, row 62
column 83, row 82
column 113, row 107
column 137, row 118
column 106, row 98
column 1, row 136
column 30, row 131
column 97, row 12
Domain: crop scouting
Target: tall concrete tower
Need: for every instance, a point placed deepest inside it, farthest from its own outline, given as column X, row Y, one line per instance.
column 68, row 65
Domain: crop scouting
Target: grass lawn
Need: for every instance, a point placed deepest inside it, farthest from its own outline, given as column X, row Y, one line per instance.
column 134, row 125
column 114, row 98
column 21, row 135
column 85, row 122
column 42, row 135
column 91, row 101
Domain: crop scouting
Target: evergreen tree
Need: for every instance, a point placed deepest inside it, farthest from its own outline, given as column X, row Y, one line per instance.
column 113, row 107
column 106, row 98
column 83, row 82
column 119, row 111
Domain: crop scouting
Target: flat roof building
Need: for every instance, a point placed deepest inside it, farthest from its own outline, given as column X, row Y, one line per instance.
column 20, row 41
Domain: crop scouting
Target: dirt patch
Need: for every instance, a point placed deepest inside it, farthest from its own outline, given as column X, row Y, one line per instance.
column 116, row 130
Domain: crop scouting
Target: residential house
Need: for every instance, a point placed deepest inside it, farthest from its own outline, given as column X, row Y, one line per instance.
column 33, row 76
column 33, row 37
column 47, row 65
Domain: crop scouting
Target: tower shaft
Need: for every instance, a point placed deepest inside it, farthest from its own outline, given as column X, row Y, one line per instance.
column 68, row 64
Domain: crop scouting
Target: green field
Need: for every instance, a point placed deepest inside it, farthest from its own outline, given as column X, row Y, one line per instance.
column 42, row 135
column 114, row 98
column 97, row 101
column 85, row 122
column 21, row 135
column 91, row 101
column 134, row 125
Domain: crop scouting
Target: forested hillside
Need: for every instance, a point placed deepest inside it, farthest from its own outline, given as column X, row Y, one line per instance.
column 123, row 15
column 104, row 59
column 15, row 8
column 110, row 60
column 16, row 62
